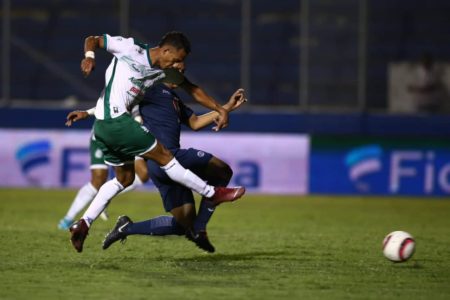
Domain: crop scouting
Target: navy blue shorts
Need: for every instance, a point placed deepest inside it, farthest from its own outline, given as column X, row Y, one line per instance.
column 172, row 193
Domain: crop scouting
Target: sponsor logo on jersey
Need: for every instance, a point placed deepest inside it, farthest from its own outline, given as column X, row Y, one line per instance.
column 134, row 91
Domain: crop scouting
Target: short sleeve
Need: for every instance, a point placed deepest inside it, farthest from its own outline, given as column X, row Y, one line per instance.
column 118, row 45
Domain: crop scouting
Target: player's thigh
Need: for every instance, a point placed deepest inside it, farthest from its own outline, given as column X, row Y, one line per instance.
column 174, row 195
column 122, row 138
column 159, row 154
column 195, row 160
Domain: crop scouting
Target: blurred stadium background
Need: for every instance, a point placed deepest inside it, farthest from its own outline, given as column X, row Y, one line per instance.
column 334, row 88
column 324, row 79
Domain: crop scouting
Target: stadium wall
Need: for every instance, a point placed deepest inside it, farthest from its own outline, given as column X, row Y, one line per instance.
column 56, row 158
column 355, row 124
column 331, row 153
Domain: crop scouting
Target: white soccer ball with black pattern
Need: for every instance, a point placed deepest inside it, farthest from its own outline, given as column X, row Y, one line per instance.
column 399, row 246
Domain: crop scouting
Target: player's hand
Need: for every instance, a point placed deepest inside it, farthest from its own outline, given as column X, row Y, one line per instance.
column 222, row 120
column 76, row 115
column 87, row 66
column 139, row 119
column 236, row 100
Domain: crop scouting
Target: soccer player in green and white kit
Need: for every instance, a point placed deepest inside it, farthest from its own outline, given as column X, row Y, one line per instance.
column 99, row 175
column 134, row 68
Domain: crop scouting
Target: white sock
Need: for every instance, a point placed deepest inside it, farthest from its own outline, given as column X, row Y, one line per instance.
column 178, row 173
column 84, row 196
column 136, row 183
column 105, row 194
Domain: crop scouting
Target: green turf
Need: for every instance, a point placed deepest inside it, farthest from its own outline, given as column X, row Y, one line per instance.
column 267, row 247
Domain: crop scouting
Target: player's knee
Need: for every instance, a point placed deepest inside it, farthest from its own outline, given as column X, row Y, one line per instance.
column 98, row 179
column 125, row 179
column 165, row 153
column 221, row 175
column 226, row 174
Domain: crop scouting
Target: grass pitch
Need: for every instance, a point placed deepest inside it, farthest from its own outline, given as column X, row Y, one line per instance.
column 267, row 247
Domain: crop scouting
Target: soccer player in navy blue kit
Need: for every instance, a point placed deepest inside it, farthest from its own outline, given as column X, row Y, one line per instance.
column 163, row 113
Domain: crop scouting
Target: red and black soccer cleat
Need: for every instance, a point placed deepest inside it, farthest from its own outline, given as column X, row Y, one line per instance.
column 224, row 194
column 79, row 231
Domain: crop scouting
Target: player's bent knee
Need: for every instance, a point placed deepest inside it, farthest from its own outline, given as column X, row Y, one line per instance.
column 220, row 173
column 99, row 177
column 125, row 175
column 125, row 181
column 227, row 173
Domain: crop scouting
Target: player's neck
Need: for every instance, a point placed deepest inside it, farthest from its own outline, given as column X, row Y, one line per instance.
column 154, row 54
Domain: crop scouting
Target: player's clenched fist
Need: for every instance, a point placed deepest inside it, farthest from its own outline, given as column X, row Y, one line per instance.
column 87, row 65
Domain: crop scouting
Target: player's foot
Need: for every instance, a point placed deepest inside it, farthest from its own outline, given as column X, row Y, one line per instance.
column 104, row 215
column 118, row 232
column 201, row 240
column 79, row 231
column 224, row 194
column 64, row 224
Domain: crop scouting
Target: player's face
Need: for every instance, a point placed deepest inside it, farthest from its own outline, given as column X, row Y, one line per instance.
column 180, row 67
column 170, row 56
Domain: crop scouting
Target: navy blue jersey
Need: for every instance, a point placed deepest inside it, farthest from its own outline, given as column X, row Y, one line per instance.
column 163, row 113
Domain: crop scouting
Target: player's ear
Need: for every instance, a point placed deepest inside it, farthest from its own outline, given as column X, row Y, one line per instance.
column 165, row 49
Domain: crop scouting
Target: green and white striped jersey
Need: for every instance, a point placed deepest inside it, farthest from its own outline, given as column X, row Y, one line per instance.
column 127, row 77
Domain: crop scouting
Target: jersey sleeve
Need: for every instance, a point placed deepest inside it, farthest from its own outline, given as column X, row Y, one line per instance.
column 185, row 113
column 118, row 45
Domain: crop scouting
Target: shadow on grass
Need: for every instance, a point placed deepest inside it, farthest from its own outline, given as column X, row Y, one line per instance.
column 246, row 256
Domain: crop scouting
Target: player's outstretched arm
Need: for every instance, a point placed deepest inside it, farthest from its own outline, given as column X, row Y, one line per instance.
column 77, row 115
column 207, row 101
column 91, row 44
column 235, row 101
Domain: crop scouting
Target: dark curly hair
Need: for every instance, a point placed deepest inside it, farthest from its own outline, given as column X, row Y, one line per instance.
column 176, row 39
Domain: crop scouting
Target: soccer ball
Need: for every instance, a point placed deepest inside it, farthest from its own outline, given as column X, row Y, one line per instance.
column 398, row 246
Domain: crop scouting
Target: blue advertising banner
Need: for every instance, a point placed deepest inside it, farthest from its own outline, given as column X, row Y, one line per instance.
column 263, row 163
column 380, row 166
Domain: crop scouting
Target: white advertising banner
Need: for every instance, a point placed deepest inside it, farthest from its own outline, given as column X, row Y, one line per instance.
column 60, row 158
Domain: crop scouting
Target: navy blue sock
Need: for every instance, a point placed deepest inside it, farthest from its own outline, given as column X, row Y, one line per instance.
column 205, row 213
column 162, row 225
